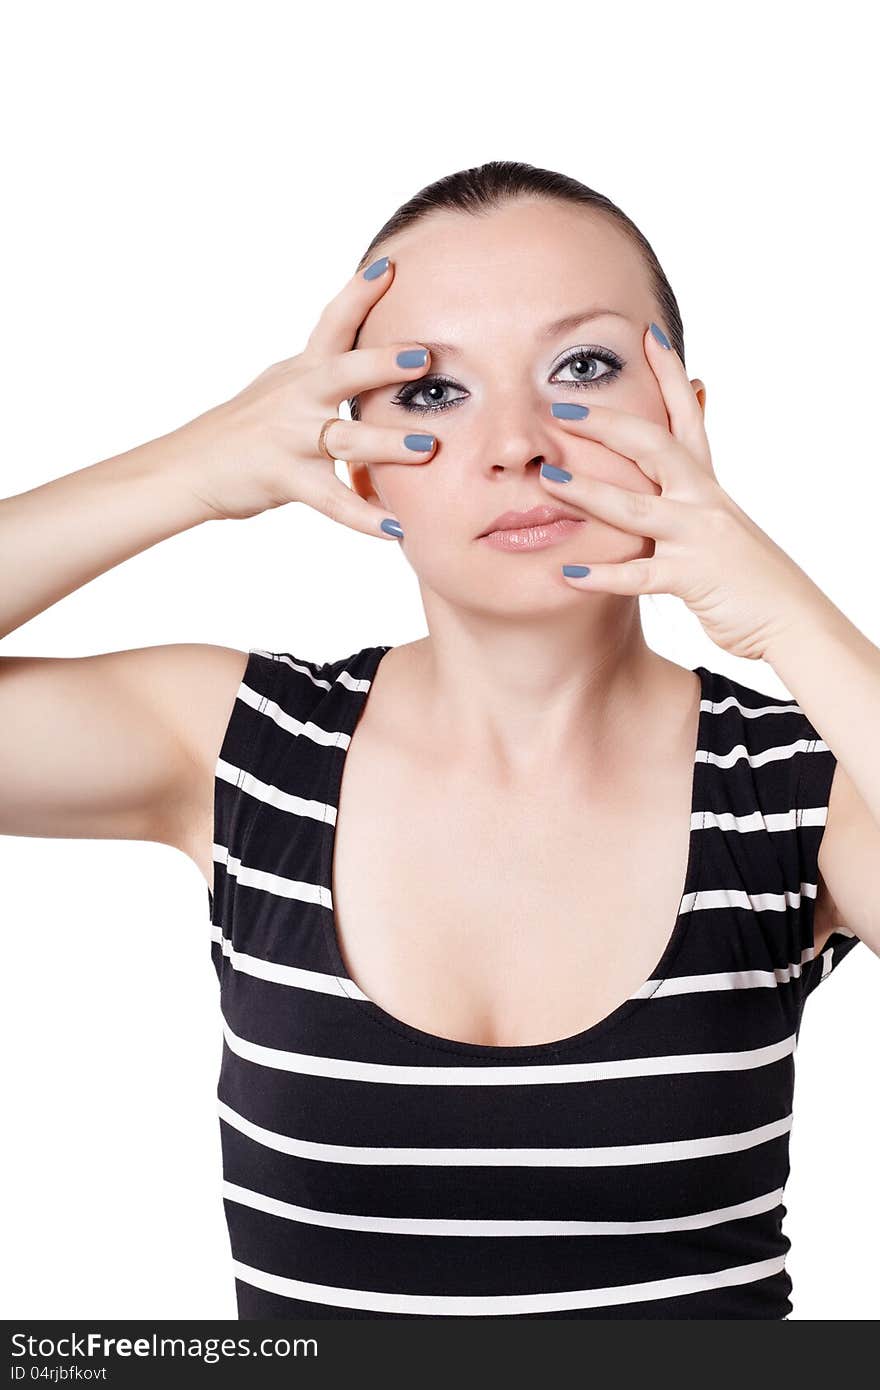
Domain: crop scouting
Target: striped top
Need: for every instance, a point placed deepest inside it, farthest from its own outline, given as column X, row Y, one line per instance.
column 633, row 1170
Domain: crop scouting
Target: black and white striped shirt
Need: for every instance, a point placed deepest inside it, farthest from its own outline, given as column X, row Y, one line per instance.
column 634, row 1170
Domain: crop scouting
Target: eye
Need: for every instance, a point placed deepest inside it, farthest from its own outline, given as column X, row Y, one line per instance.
column 585, row 359
column 433, row 387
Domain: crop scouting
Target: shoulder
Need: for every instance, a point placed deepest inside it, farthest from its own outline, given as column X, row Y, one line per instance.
column 282, row 694
column 772, row 766
column 301, row 685
column 282, row 711
column 809, row 801
column 771, row 733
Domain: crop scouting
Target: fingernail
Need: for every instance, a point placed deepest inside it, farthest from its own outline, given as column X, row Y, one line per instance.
column 575, row 571
column 422, row 443
column 566, row 410
column 391, row 527
column 412, row 357
column 378, row 268
column 556, row 475
column 660, row 336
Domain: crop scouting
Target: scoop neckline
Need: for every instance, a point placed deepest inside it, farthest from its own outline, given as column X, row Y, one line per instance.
column 489, row 1052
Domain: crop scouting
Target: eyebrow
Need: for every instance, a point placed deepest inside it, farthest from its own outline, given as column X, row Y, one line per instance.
column 550, row 330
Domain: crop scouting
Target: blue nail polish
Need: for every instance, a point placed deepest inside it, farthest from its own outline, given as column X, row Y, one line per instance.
column 412, row 357
column 391, row 527
column 422, row 443
column 660, row 336
column 556, row 475
column 567, row 410
column 378, row 268
column 575, row 571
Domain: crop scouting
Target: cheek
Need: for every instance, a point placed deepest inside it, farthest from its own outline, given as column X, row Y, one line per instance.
column 418, row 489
column 436, row 505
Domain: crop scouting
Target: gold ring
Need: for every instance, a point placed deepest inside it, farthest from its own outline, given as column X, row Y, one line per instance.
column 322, row 447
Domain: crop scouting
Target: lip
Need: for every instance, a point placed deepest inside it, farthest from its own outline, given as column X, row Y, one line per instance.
column 542, row 515
column 528, row 538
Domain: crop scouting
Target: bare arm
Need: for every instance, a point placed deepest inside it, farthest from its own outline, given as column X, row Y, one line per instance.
column 59, row 536
column 122, row 744
column 104, row 746
column 115, row 746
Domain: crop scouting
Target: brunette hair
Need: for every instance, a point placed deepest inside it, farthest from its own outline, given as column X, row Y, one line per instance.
column 481, row 189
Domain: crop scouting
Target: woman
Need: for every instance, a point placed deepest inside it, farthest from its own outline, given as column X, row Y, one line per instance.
column 516, row 1035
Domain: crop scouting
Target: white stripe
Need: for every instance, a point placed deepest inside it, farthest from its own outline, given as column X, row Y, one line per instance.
column 707, row 899
column 733, row 979
column 282, row 974
column 299, row 889
column 769, row 755
column 357, row 683
column 533, row 1075
column 452, row 1305
column 775, row 821
column 272, row 795
column 272, row 710
column 603, row 1156
column 294, row 665
column 749, row 711
column 424, row 1226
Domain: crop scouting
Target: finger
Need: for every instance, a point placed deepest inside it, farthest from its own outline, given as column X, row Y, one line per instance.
column 686, row 421
column 642, row 513
column 647, row 444
column 642, row 576
column 362, row 369
column 353, row 440
column 341, row 503
column 341, row 318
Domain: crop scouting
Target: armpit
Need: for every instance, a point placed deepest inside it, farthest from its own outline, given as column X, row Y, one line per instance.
column 826, row 917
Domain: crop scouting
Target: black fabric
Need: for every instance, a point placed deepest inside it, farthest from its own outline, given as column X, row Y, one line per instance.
column 633, row 1170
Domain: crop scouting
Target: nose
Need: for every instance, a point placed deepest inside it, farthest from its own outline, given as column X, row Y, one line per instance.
column 515, row 430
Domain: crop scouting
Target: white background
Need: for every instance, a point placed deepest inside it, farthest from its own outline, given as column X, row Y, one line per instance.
column 186, row 185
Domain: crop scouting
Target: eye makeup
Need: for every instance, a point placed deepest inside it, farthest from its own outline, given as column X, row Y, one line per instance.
column 587, row 356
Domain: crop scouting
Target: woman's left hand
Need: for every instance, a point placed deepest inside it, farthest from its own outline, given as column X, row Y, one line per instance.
column 741, row 585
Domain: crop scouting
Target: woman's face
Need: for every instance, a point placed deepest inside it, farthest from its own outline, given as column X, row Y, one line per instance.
column 488, row 287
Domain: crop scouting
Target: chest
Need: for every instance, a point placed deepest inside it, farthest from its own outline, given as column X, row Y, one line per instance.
column 504, row 918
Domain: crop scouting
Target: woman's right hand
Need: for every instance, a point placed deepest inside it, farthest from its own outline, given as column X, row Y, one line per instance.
column 259, row 449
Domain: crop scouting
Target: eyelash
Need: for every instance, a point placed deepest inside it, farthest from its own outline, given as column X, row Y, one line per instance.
column 405, row 397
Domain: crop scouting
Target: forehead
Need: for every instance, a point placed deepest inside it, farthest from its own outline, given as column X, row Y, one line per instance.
column 459, row 276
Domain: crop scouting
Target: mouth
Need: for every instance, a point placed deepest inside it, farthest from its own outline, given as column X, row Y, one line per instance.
column 531, row 530
column 535, row 516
